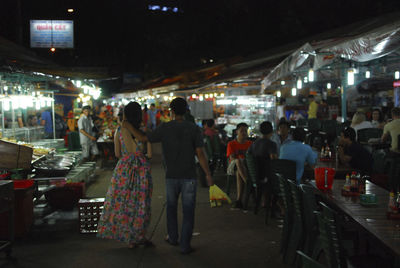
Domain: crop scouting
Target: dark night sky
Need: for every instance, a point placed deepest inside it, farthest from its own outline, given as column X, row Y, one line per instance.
column 124, row 36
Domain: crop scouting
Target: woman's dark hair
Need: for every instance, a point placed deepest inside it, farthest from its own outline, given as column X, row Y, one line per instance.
column 350, row 133
column 178, row 105
column 266, row 128
column 121, row 114
column 210, row 123
column 380, row 119
column 299, row 134
column 133, row 114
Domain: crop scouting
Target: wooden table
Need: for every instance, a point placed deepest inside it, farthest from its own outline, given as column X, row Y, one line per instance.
column 372, row 220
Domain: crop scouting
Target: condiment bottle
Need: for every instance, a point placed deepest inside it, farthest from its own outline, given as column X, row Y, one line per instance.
column 322, row 152
column 346, row 186
column 391, row 205
column 353, row 182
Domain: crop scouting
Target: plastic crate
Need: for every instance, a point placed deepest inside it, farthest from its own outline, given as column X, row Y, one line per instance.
column 89, row 214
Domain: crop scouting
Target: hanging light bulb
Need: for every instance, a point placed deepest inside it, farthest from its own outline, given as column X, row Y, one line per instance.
column 397, row 75
column 367, row 74
column 6, row 105
column 299, row 84
column 283, row 82
column 294, row 91
column 48, row 103
column 329, row 86
column 37, row 105
column 194, row 96
column 311, row 75
column 278, row 93
column 201, row 98
column 350, row 77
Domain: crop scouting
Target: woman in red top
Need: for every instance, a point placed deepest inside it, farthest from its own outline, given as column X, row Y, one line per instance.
column 236, row 152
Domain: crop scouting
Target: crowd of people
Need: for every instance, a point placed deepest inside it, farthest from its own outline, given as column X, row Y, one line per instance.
column 127, row 207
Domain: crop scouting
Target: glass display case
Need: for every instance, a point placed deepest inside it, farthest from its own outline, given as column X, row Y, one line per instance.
column 251, row 110
column 25, row 134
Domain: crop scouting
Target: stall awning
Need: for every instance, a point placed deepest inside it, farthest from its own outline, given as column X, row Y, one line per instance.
column 359, row 42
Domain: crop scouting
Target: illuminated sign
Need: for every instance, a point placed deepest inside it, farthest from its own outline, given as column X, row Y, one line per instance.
column 52, row 33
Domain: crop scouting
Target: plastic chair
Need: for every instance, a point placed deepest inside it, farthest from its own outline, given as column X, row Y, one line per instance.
column 307, row 262
column 311, row 246
column 302, row 122
column 288, row 218
column 314, row 125
column 296, row 239
column 365, row 134
column 252, row 185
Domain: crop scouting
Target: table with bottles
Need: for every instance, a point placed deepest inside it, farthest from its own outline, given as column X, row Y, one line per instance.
column 372, row 220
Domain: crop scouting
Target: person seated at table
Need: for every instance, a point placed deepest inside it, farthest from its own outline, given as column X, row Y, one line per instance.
column 282, row 136
column 296, row 116
column 299, row 152
column 392, row 129
column 377, row 119
column 210, row 129
column 236, row 151
column 264, row 150
column 352, row 153
column 359, row 122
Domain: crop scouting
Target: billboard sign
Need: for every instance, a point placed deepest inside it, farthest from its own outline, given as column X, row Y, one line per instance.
column 52, row 33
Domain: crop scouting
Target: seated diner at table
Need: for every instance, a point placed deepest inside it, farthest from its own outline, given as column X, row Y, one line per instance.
column 236, row 151
column 392, row 129
column 352, row 153
column 359, row 122
column 299, row 152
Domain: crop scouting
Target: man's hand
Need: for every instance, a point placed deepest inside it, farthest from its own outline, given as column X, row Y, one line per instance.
column 92, row 138
column 209, row 179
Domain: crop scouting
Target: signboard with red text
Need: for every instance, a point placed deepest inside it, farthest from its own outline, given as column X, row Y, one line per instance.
column 52, row 33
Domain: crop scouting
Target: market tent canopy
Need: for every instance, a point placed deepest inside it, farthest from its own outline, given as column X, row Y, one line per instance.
column 362, row 41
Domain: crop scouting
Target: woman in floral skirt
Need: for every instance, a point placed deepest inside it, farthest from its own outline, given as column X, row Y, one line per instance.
column 126, row 214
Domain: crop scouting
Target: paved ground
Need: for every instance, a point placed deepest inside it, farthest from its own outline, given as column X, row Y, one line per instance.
column 223, row 237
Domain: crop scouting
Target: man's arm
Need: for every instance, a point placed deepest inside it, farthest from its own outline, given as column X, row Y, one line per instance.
column 343, row 157
column 135, row 132
column 117, row 145
column 87, row 135
column 385, row 137
column 204, row 164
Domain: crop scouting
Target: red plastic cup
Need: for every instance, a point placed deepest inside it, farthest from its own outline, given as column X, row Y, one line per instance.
column 320, row 180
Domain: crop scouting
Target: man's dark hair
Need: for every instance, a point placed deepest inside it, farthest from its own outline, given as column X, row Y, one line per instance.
column 396, row 111
column 266, row 128
column 350, row 133
column 242, row 125
column 299, row 134
column 152, row 105
column 87, row 107
column 178, row 106
column 133, row 114
column 283, row 123
column 210, row 123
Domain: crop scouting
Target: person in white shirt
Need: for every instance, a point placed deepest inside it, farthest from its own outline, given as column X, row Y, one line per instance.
column 86, row 134
column 358, row 122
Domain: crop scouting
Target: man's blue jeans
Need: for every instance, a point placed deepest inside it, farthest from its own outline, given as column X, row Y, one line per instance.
column 187, row 188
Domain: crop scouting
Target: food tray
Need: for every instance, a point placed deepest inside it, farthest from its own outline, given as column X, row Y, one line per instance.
column 345, row 193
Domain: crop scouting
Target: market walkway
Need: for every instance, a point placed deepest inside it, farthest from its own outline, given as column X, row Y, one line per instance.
column 223, row 238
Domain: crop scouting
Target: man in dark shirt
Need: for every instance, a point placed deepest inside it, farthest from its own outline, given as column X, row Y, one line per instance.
column 264, row 149
column 352, row 153
column 181, row 140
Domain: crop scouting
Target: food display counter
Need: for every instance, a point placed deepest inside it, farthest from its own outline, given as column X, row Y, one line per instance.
column 251, row 110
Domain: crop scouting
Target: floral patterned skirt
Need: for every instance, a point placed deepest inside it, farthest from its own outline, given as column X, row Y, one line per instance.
column 127, row 207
